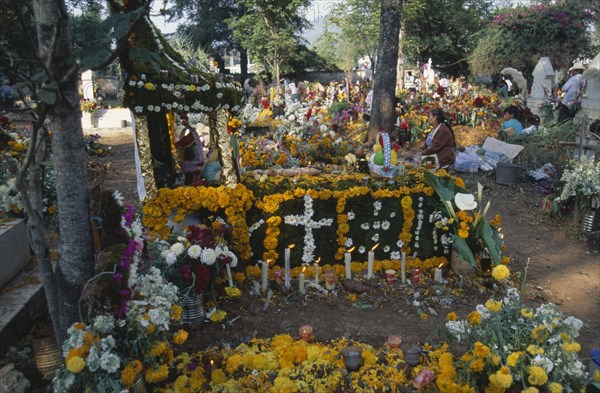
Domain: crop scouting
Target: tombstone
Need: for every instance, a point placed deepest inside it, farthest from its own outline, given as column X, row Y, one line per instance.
column 87, row 85
column 590, row 102
column 541, row 89
column 14, row 248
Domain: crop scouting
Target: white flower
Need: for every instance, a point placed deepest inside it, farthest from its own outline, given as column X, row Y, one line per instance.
column 351, row 216
column 169, row 256
column 349, row 242
column 118, row 197
column 208, row 256
column 194, row 251
column 323, row 128
column 177, row 249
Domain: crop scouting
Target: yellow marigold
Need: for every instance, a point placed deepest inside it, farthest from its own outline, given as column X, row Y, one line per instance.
column 572, row 347
column 150, row 329
column 526, row 313
column 500, row 272
column 128, row 376
column 451, row 316
column 238, row 277
column 537, row 375
column 493, row 305
column 424, row 316
column 218, row 376
column 540, row 333
column 477, row 365
column 176, row 312
column 149, row 86
column 76, row 364
column 502, row 378
column 192, row 87
column 513, row 358
column 554, row 387
column 530, row 389
column 505, row 260
column 284, row 385
column 157, row 373
column 535, row 350
column 180, row 337
column 218, row 315
column 232, row 292
column 158, row 348
column 481, row 350
column 253, row 271
column 474, row 318
column 459, row 182
column 406, row 202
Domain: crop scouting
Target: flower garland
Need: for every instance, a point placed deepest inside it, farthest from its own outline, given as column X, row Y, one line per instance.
column 188, row 200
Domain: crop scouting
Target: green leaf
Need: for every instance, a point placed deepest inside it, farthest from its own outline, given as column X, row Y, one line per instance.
column 491, row 240
column 462, row 248
column 445, row 191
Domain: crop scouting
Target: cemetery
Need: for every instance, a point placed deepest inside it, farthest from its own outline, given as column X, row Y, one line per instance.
column 180, row 228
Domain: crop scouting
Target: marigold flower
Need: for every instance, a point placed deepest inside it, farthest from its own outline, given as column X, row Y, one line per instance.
column 157, row 373
column 180, row 337
column 502, row 378
column 526, row 313
column 477, row 365
column 572, row 347
column 474, row 318
column 554, row 387
column 493, row 305
column 76, row 364
column 537, row 376
column 480, row 350
column 451, row 316
column 513, row 358
column 217, row 316
column 500, row 272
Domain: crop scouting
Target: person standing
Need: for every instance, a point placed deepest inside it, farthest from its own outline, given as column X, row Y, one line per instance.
column 572, row 89
column 440, row 141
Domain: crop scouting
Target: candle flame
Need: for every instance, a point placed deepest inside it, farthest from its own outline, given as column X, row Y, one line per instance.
column 441, row 265
column 318, row 260
column 351, row 249
column 303, row 269
column 291, row 246
column 375, row 246
column 212, row 362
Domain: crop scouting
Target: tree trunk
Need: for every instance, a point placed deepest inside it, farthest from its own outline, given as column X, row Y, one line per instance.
column 384, row 89
column 243, row 65
column 76, row 261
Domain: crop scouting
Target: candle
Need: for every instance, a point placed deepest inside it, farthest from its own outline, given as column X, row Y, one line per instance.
column 229, row 278
column 301, row 281
column 437, row 275
column 394, row 341
column 403, row 268
column 390, row 276
column 288, row 251
column 306, row 332
column 348, row 263
column 371, row 261
column 265, row 275
column 317, row 270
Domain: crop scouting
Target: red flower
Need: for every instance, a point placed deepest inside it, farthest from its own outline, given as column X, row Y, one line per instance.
column 202, row 273
column 202, row 236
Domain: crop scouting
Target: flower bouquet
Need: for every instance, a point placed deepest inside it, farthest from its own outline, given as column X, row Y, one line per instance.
column 470, row 231
column 581, row 180
column 511, row 345
column 119, row 346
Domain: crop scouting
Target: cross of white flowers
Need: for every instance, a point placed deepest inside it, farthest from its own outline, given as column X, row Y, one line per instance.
column 306, row 220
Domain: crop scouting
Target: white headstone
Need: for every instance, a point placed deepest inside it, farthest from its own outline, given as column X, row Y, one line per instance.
column 541, row 89
column 87, row 85
column 590, row 102
column 14, row 248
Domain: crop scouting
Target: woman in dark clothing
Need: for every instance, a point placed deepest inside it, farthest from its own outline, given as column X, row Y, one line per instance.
column 440, row 141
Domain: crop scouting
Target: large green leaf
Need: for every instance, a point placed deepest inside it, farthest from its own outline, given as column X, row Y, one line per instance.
column 491, row 239
column 445, row 190
column 462, row 248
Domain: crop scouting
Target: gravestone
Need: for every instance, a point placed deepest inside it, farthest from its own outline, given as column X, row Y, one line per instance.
column 541, row 89
column 87, row 91
column 14, row 249
column 590, row 102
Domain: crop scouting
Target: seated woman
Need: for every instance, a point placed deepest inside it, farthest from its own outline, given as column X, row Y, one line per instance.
column 440, row 141
column 511, row 125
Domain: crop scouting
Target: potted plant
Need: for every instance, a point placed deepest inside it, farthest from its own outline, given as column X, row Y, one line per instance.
column 471, row 232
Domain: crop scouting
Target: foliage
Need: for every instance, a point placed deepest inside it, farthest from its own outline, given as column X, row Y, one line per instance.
column 511, row 344
column 191, row 53
column 445, row 31
column 95, row 148
column 470, row 230
column 269, row 30
column 518, row 37
column 581, row 179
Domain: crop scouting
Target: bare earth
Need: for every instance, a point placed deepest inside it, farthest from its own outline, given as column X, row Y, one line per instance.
column 562, row 269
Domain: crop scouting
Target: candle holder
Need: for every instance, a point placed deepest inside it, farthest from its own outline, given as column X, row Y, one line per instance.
column 352, row 357
column 415, row 275
column 211, row 361
column 330, row 278
column 394, row 341
column 279, row 275
column 306, row 332
column 390, row 276
column 412, row 356
column 194, row 78
column 164, row 74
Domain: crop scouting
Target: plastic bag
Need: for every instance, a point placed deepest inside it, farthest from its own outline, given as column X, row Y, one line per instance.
column 467, row 162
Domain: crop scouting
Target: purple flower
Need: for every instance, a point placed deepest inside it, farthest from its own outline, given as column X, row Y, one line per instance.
column 118, row 277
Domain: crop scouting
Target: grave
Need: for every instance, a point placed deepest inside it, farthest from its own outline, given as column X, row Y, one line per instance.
column 14, row 249
column 590, row 102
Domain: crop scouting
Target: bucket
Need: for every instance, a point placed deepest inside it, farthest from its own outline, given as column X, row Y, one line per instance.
column 507, row 174
column 192, row 308
column 590, row 222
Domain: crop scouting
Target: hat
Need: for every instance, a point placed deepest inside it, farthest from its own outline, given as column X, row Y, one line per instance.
column 577, row 66
column 465, row 201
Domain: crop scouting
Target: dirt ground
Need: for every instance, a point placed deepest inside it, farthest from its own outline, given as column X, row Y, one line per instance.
column 562, row 269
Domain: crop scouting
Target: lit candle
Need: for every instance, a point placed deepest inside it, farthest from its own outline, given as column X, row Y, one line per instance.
column 301, row 281
column 317, row 270
column 403, row 268
column 348, row 263
column 306, row 332
column 288, row 251
column 265, row 275
column 229, row 278
column 437, row 275
column 330, row 280
column 371, row 261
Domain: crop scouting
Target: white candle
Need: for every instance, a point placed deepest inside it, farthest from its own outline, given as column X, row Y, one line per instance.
column 287, row 254
column 403, row 268
column 264, row 276
column 229, row 278
column 437, row 275
column 348, row 263
column 317, row 270
column 301, row 282
column 370, row 264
